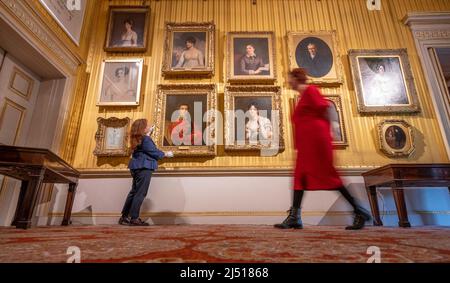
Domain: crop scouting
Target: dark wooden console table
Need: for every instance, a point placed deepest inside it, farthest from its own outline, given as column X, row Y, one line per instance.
column 398, row 176
column 34, row 166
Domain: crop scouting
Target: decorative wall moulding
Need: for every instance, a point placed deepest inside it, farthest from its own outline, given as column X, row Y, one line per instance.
column 21, row 14
column 214, row 172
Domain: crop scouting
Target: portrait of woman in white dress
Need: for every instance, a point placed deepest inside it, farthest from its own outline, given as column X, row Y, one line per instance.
column 383, row 82
column 188, row 50
column 127, row 30
column 191, row 57
column 121, row 82
column 258, row 129
column 121, row 88
column 129, row 36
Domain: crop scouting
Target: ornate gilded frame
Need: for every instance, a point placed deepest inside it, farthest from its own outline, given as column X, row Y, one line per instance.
column 408, row 81
column 336, row 100
column 251, row 78
column 101, row 138
column 231, row 92
column 210, row 149
column 293, row 38
column 208, row 70
column 409, row 147
column 115, row 9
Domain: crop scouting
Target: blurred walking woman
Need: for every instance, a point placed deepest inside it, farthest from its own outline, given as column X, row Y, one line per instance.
column 314, row 168
column 142, row 164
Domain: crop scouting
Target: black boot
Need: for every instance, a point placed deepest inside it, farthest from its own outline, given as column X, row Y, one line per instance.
column 292, row 221
column 361, row 216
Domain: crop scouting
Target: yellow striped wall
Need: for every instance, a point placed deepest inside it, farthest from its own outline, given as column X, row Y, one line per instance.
column 356, row 27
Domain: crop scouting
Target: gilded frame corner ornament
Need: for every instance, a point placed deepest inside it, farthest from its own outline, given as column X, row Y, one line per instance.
column 408, row 81
column 208, row 70
column 388, row 150
column 326, row 80
column 101, row 148
column 209, row 149
column 256, row 79
column 233, row 92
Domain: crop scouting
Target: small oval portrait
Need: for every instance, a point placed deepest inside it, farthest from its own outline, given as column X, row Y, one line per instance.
column 315, row 56
column 395, row 137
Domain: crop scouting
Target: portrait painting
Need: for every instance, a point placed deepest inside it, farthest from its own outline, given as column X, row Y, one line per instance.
column 112, row 137
column 181, row 126
column 120, row 82
column 336, row 118
column 396, row 138
column 69, row 15
column 318, row 54
column 251, row 56
column 383, row 81
column 189, row 49
column 185, row 119
column 127, row 29
column 253, row 118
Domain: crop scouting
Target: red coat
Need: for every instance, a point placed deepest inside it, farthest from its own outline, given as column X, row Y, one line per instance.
column 314, row 168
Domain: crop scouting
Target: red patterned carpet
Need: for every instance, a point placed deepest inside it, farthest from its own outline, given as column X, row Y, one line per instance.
column 224, row 243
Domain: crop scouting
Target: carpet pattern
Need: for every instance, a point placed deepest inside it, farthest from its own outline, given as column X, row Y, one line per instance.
column 224, row 243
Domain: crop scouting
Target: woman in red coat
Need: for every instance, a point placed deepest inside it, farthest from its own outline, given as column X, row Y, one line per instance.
column 314, row 168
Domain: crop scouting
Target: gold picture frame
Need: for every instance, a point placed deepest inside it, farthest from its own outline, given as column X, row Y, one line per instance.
column 171, row 127
column 112, row 137
column 200, row 38
column 266, row 101
column 120, row 82
column 337, row 122
column 26, row 94
column 237, row 56
column 383, row 81
column 396, row 138
column 127, row 29
column 325, row 68
column 338, row 129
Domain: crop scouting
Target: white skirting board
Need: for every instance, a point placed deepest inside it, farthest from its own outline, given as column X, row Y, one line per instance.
column 237, row 200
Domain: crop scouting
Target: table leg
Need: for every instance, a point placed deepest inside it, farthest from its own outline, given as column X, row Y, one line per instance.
column 23, row 189
column 399, row 198
column 26, row 208
column 69, row 204
column 372, row 195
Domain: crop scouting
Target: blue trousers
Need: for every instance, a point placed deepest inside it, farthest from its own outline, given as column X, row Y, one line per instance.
column 139, row 189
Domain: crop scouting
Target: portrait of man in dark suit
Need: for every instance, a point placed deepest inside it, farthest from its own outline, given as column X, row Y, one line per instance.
column 315, row 56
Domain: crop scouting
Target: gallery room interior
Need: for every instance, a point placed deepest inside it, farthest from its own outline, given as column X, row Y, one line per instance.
column 193, row 125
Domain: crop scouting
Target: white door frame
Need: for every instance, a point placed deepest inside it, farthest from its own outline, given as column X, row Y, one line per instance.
column 432, row 30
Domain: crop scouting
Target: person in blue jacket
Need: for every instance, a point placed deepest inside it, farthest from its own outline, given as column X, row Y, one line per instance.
column 142, row 164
